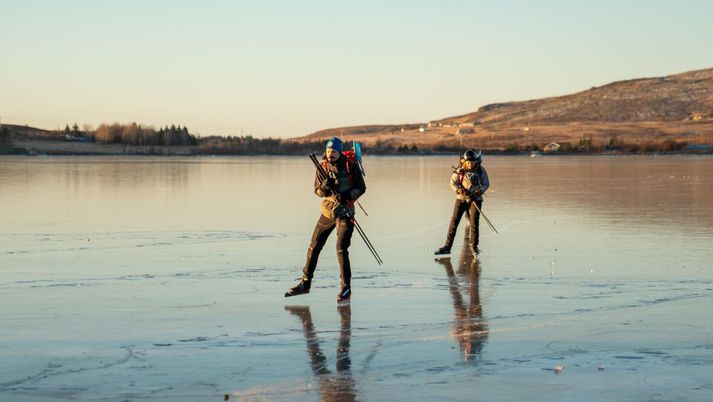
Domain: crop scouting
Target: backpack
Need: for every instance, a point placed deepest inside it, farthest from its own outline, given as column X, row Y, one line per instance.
column 351, row 164
column 330, row 209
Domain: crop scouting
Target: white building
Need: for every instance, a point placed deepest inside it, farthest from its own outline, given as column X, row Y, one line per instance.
column 551, row 147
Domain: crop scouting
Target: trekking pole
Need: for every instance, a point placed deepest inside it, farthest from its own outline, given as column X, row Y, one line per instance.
column 323, row 176
column 486, row 218
column 366, row 241
column 362, row 208
column 357, row 201
column 357, row 156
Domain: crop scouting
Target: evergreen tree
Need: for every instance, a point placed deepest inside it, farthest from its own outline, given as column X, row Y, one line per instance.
column 4, row 136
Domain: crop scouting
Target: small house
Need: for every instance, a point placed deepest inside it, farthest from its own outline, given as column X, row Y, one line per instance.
column 551, row 147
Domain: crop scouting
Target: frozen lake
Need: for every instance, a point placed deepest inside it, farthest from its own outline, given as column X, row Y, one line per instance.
column 162, row 279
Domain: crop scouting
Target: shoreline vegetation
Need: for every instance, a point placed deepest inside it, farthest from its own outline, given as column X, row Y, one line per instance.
column 659, row 115
column 136, row 139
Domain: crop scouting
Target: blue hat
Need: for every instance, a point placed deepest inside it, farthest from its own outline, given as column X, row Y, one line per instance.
column 335, row 144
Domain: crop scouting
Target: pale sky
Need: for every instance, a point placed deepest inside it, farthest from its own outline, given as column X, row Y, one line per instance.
column 289, row 68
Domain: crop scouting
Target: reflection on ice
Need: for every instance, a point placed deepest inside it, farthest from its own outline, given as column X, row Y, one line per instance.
column 339, row 386
column 108, row 288
column 469, row 328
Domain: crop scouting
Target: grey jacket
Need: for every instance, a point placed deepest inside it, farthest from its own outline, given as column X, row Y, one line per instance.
column 470, row 181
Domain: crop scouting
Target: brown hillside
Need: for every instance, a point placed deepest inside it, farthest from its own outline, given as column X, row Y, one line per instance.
column 22, row 132
column 677, row 107
column 673, row 98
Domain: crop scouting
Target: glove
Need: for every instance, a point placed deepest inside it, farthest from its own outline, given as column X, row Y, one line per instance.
column 461, row 191
column 343, row 197
column 328, row 185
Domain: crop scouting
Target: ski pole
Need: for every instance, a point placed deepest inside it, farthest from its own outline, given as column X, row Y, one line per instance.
column 323, row 176
column 486, row 218
column 362, row 208
column 367, row 241
column 357, row 201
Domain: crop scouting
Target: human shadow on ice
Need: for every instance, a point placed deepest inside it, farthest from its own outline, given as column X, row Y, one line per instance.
column 339, row 386
column 469, row 328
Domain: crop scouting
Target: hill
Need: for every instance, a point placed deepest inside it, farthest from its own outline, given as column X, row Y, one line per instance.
column 26, row 132
column 667, row 99
column 673, row 113
column 676, row 108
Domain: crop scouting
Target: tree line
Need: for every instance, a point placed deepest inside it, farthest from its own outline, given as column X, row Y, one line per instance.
column 5, row 137
column 248, row 145
column 136, row 134
column 139, row 135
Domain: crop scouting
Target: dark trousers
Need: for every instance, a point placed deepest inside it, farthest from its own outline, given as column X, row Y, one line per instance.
column 325, row 226
column 459, row 209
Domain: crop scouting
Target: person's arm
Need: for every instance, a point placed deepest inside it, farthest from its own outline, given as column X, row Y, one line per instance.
column 359, row 185
column 484, row 180
column 318, row 186
column 455, row 183
column 323, row 189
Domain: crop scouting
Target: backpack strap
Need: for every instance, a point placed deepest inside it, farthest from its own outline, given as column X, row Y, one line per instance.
column 352, row 170
column 351, row 163
column 461, row 175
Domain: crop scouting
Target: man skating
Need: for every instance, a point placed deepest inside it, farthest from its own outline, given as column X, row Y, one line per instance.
column 470, row 181
column 339, row 191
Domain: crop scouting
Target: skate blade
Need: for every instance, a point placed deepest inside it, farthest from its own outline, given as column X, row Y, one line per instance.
column 288, row 294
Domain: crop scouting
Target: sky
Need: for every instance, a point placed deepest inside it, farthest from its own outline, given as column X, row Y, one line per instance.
column 290, row 68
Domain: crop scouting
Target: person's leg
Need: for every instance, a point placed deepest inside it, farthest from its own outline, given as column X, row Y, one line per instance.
column 466, row 232
column 458, row 209
column 321, row 233
column 345, row 228
column 475, row 226
column 322, row 230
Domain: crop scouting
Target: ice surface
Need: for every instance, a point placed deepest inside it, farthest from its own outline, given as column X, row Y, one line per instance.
column 137, row 279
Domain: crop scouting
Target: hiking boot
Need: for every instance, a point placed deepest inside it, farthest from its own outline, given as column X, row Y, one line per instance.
column 443, row 250
column 345, row 294
column 301, row 288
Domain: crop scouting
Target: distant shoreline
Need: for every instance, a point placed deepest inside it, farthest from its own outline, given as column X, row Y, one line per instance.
column 244, row 146
column 116, row 150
